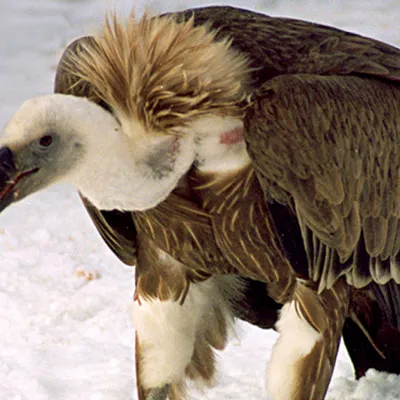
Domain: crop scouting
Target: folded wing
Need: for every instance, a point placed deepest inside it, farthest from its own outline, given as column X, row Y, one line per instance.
column 329, row 148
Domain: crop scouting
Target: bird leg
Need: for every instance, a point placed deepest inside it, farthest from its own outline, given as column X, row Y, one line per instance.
column 160, row 393
column 164, row 347
column 175, row 340
column 304, row 356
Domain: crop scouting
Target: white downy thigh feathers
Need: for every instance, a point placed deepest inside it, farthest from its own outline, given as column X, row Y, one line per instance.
column 167, row 330
column 297, row 339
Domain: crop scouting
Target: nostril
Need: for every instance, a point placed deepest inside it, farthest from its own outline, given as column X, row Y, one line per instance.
column 6, row 160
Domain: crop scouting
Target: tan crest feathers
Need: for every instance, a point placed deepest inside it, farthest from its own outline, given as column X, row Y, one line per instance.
column 162, row 72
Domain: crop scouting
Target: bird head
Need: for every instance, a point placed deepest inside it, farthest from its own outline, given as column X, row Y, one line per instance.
column 48, row 140
column 159, row 78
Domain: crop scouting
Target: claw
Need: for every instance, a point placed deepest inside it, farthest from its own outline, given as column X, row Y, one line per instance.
column 157, row 393
column 160, row 393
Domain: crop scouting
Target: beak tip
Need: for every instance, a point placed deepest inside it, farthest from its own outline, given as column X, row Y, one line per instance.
column 7, row 170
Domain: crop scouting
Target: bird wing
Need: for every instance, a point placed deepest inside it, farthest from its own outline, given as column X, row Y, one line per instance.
column 328, row 147
column 283, row 45
column 115, row 227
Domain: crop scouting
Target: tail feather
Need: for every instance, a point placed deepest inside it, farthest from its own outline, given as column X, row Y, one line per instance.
column 388, row 297
column 371, row 333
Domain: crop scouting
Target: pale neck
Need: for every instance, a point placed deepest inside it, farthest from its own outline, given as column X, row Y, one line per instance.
column 115, row 173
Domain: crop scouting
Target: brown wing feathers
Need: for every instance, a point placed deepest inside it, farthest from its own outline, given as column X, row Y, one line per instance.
column 281, row 45
column 332, row 145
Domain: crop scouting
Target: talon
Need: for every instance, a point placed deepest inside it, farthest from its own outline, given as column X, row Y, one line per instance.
column 160, row 393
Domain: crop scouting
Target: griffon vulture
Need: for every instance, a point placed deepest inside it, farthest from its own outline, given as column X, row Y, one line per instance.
column 216, row 145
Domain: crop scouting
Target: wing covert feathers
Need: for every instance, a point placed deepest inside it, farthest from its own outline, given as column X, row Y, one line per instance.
column 287, row 46
column 117, row 229
column 332, row 145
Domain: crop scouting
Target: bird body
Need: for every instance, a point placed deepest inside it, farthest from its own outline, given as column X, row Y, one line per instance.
column 216, row 145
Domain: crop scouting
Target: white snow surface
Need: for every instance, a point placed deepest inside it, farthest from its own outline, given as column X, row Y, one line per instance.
column 64, row 336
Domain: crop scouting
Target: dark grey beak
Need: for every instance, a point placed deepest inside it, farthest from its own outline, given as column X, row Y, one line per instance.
column 7, row 173
column 10, row 177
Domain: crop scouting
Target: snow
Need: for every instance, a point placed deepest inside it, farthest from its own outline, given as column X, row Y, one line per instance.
column 65, row 300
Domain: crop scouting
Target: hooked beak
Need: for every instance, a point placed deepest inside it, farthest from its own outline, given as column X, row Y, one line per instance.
column 9, row 177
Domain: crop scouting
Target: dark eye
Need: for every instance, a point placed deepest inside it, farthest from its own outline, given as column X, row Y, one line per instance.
column 46, row 140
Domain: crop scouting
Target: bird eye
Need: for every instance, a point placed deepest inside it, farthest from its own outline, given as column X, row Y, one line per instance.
column 46, row 140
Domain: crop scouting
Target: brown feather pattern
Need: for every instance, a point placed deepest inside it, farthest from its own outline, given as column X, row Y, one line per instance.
column 243, row 227
column 281, row 45
column 326, row 142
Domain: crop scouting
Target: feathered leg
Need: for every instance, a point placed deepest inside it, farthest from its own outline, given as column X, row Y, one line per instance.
column 178, row 323
column 175, row 340
column 304, row 356
column 150, row 394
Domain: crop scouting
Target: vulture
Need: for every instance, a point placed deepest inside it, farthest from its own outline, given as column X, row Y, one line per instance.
column 248, row 166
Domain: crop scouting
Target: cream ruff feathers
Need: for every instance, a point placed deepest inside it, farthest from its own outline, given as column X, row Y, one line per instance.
column 162, row 73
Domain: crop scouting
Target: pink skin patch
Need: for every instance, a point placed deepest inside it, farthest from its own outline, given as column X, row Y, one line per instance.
column 232, row 137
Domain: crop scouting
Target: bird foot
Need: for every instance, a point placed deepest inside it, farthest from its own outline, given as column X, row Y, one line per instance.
column 160, row 393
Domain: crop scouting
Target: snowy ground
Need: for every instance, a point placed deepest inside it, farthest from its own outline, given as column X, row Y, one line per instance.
column 62, row 335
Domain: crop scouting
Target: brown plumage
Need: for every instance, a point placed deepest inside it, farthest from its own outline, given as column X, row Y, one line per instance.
column 350, row 204
column 321, row 128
